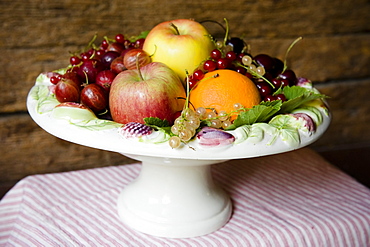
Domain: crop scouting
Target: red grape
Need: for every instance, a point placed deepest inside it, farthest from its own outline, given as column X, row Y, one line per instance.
column 67, row 90
column 117, row 65
column 105, row 78
column 115, row 46
column 94, row 97
column 136, row 57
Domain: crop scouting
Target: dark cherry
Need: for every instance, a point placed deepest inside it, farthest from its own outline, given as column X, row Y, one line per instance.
column 264, row 88
column 290, row 76
column 236, row 43
column 276, row 82
column 284, row 82
column 265, row 61
column 240, row 70
column 108, row 58
column 90, row 68
column 278, row 67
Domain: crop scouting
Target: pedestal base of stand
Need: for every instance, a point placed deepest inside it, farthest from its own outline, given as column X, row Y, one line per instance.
column 175, row 200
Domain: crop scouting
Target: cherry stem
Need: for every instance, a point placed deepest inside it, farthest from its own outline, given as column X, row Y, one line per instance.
column 176, row 29
column 138, row 67
column 227, row 31
column 287, row 52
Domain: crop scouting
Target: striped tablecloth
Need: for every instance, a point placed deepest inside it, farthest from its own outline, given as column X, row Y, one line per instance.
column 290, row 199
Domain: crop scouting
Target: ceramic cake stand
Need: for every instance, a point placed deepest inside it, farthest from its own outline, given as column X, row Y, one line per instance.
column 174, row 195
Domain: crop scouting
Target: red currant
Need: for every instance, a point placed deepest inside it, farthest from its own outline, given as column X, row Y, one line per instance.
column 230, row 55
column 216, row 54
column 198, row 74
column 223, row 63
column 104, row 44
column 120, row 38
column 280, row 97
column 210, row 65
column 270, row 98
column 192, row 82
column 54, row 80
column 74, row 60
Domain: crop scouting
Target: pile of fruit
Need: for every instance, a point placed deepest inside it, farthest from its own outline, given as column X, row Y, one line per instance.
column 177, row 78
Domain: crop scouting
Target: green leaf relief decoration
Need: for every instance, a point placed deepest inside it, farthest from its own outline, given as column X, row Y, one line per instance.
column 45, row 100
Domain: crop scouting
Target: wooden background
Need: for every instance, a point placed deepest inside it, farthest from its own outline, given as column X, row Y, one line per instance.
column 37, row 36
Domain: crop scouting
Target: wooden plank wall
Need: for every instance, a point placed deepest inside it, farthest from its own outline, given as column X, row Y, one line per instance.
column 38, row 35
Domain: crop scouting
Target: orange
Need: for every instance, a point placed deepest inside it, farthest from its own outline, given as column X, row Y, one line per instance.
column 222, row 89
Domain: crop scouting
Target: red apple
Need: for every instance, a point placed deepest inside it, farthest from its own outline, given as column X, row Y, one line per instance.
column 153, row 91
column 181, row 44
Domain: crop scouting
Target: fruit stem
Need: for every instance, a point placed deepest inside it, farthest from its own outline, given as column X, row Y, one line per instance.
column 287, row 52
column 227, row 31
column 176, row 29
column 187, row 90
column 138, row 67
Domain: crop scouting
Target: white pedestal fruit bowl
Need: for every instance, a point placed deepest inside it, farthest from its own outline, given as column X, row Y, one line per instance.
column 174, row 195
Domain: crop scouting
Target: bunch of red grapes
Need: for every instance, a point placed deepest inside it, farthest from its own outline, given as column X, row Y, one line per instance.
column 266, row 72
column 90, row 73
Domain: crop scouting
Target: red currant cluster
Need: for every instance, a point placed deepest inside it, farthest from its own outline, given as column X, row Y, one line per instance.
column 92, row 71
column 268, row 73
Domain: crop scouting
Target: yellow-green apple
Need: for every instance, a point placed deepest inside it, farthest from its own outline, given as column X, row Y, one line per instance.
column 181, row 44
column 152, row 91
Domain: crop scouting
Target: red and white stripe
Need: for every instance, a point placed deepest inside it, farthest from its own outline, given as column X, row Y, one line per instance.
column 290, row 199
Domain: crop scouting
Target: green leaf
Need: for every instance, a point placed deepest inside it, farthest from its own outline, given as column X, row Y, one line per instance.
column 142, row 35
column 297, row 96
column 259, row 113
column 156, row 122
